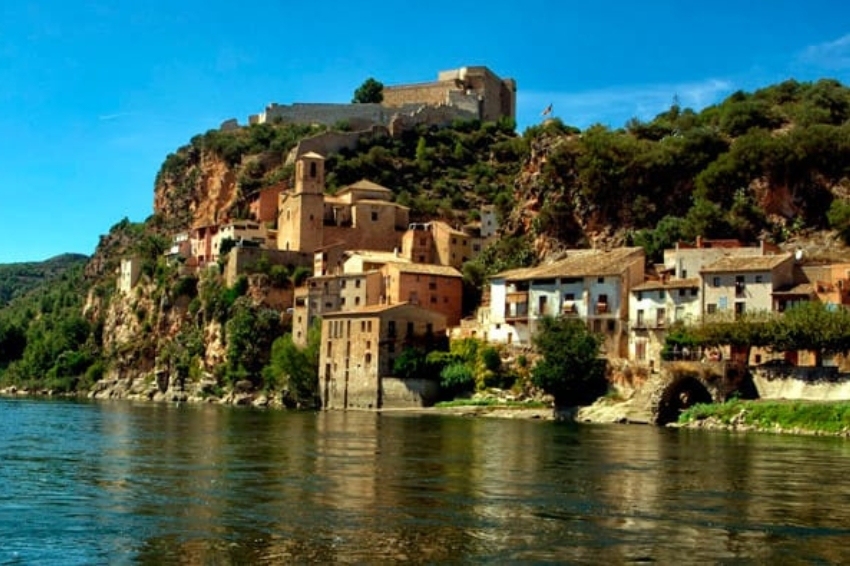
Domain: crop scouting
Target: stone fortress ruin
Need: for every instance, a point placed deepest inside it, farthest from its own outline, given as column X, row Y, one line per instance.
column 467, row 93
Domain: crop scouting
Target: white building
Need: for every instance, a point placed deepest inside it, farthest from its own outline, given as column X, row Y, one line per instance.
column 592, row 285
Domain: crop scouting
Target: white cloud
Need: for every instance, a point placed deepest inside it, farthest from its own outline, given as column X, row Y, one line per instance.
column 108, row 117
column 828, row 55
column 615, row 105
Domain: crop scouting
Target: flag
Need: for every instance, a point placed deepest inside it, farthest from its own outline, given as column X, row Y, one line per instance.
column 547, row 111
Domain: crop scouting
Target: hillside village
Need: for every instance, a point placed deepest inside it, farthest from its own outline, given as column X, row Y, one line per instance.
column 262, row 211
column 380, row 284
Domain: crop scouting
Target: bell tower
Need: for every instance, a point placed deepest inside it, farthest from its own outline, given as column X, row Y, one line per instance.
column 301, row 212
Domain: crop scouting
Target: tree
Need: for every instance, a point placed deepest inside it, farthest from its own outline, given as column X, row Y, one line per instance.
column 295, row 371
column 370, row 91
column 570, row 369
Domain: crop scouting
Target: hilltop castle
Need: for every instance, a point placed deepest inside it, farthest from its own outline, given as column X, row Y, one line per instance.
column 468, row 93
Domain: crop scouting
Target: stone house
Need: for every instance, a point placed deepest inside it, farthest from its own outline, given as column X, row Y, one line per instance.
column 245, row 232
column 433, row 287
column 438, row 243
column 685, row 261
column 263, row 208
column 332, row 293
column 592, row 285
column 745, row 284
column 128, row 273
column 359, row 348
column 653, row 307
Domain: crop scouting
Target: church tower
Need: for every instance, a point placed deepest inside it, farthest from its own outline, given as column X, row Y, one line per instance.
column 300, row 213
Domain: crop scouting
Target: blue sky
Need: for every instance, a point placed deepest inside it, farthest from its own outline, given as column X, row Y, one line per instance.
column 95, row 93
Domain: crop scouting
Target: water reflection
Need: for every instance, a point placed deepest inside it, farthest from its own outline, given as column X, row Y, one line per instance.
column 154, row 484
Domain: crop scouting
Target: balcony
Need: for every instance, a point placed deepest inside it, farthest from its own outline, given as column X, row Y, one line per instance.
column 602, row 308
column 570, row 308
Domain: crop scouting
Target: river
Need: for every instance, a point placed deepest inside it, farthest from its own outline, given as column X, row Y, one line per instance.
column 125, row 483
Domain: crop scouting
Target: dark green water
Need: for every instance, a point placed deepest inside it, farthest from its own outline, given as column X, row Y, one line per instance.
column 121, row 483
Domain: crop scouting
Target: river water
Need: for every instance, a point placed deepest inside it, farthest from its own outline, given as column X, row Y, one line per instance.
column 125, row 483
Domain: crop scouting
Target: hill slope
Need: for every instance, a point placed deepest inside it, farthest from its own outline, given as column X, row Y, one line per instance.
column 17, row 279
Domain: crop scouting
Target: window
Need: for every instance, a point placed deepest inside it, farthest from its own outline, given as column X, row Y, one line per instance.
column 640, row 321
column 369, row 326
column 313, row 169
column 342, row 302
column 454, row 240
column 374, row 216
column 569, row 296
column 410, row 329
column 356, row 283
column 683, row 292
column 429, row 328
column 432, row 286
column 660, row 317
column 715, row 281
column 759, row 279
column 391, row 329
column 329, row 348
column 600, row 280
column 711, row 308
column 740, row 286
column 611, row 325
column 368, row 358
column 661, row 295
column 357, row 301
column 476, row 247
column 684, row 274
column 433, row 299
column 363, row 326
column 342, row 284
column 640, row 295
column 694, row 292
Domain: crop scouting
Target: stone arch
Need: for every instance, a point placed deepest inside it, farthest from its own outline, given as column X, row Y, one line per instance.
column 679, row 394
column 681, row 387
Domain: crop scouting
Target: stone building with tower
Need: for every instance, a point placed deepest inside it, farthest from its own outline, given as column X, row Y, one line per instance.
column 362, row 215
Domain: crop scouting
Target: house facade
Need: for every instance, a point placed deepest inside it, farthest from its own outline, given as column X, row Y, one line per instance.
column 358, row 351
column 653, row 308
column 592, row 285
column 434, row 287
column 737, row 285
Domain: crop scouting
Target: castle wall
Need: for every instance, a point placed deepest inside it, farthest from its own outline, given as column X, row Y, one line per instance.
column 328, row 143
column 359, row 116
column 423, row 93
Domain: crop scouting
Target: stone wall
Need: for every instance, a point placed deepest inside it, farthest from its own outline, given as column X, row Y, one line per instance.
column 423, row 93
column 358, row 116
column 398, row 393
column 243, row 260
column 328, row 143
column 803, row 383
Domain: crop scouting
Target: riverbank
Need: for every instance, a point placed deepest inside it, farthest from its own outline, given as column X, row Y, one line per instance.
column 821, row 418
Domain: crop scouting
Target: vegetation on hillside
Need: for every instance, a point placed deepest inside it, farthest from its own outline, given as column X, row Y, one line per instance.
column 46, row 342
column 17, row 279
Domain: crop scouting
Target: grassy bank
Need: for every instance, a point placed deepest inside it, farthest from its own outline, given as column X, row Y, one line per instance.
column 489, row 402
column 811, row 417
